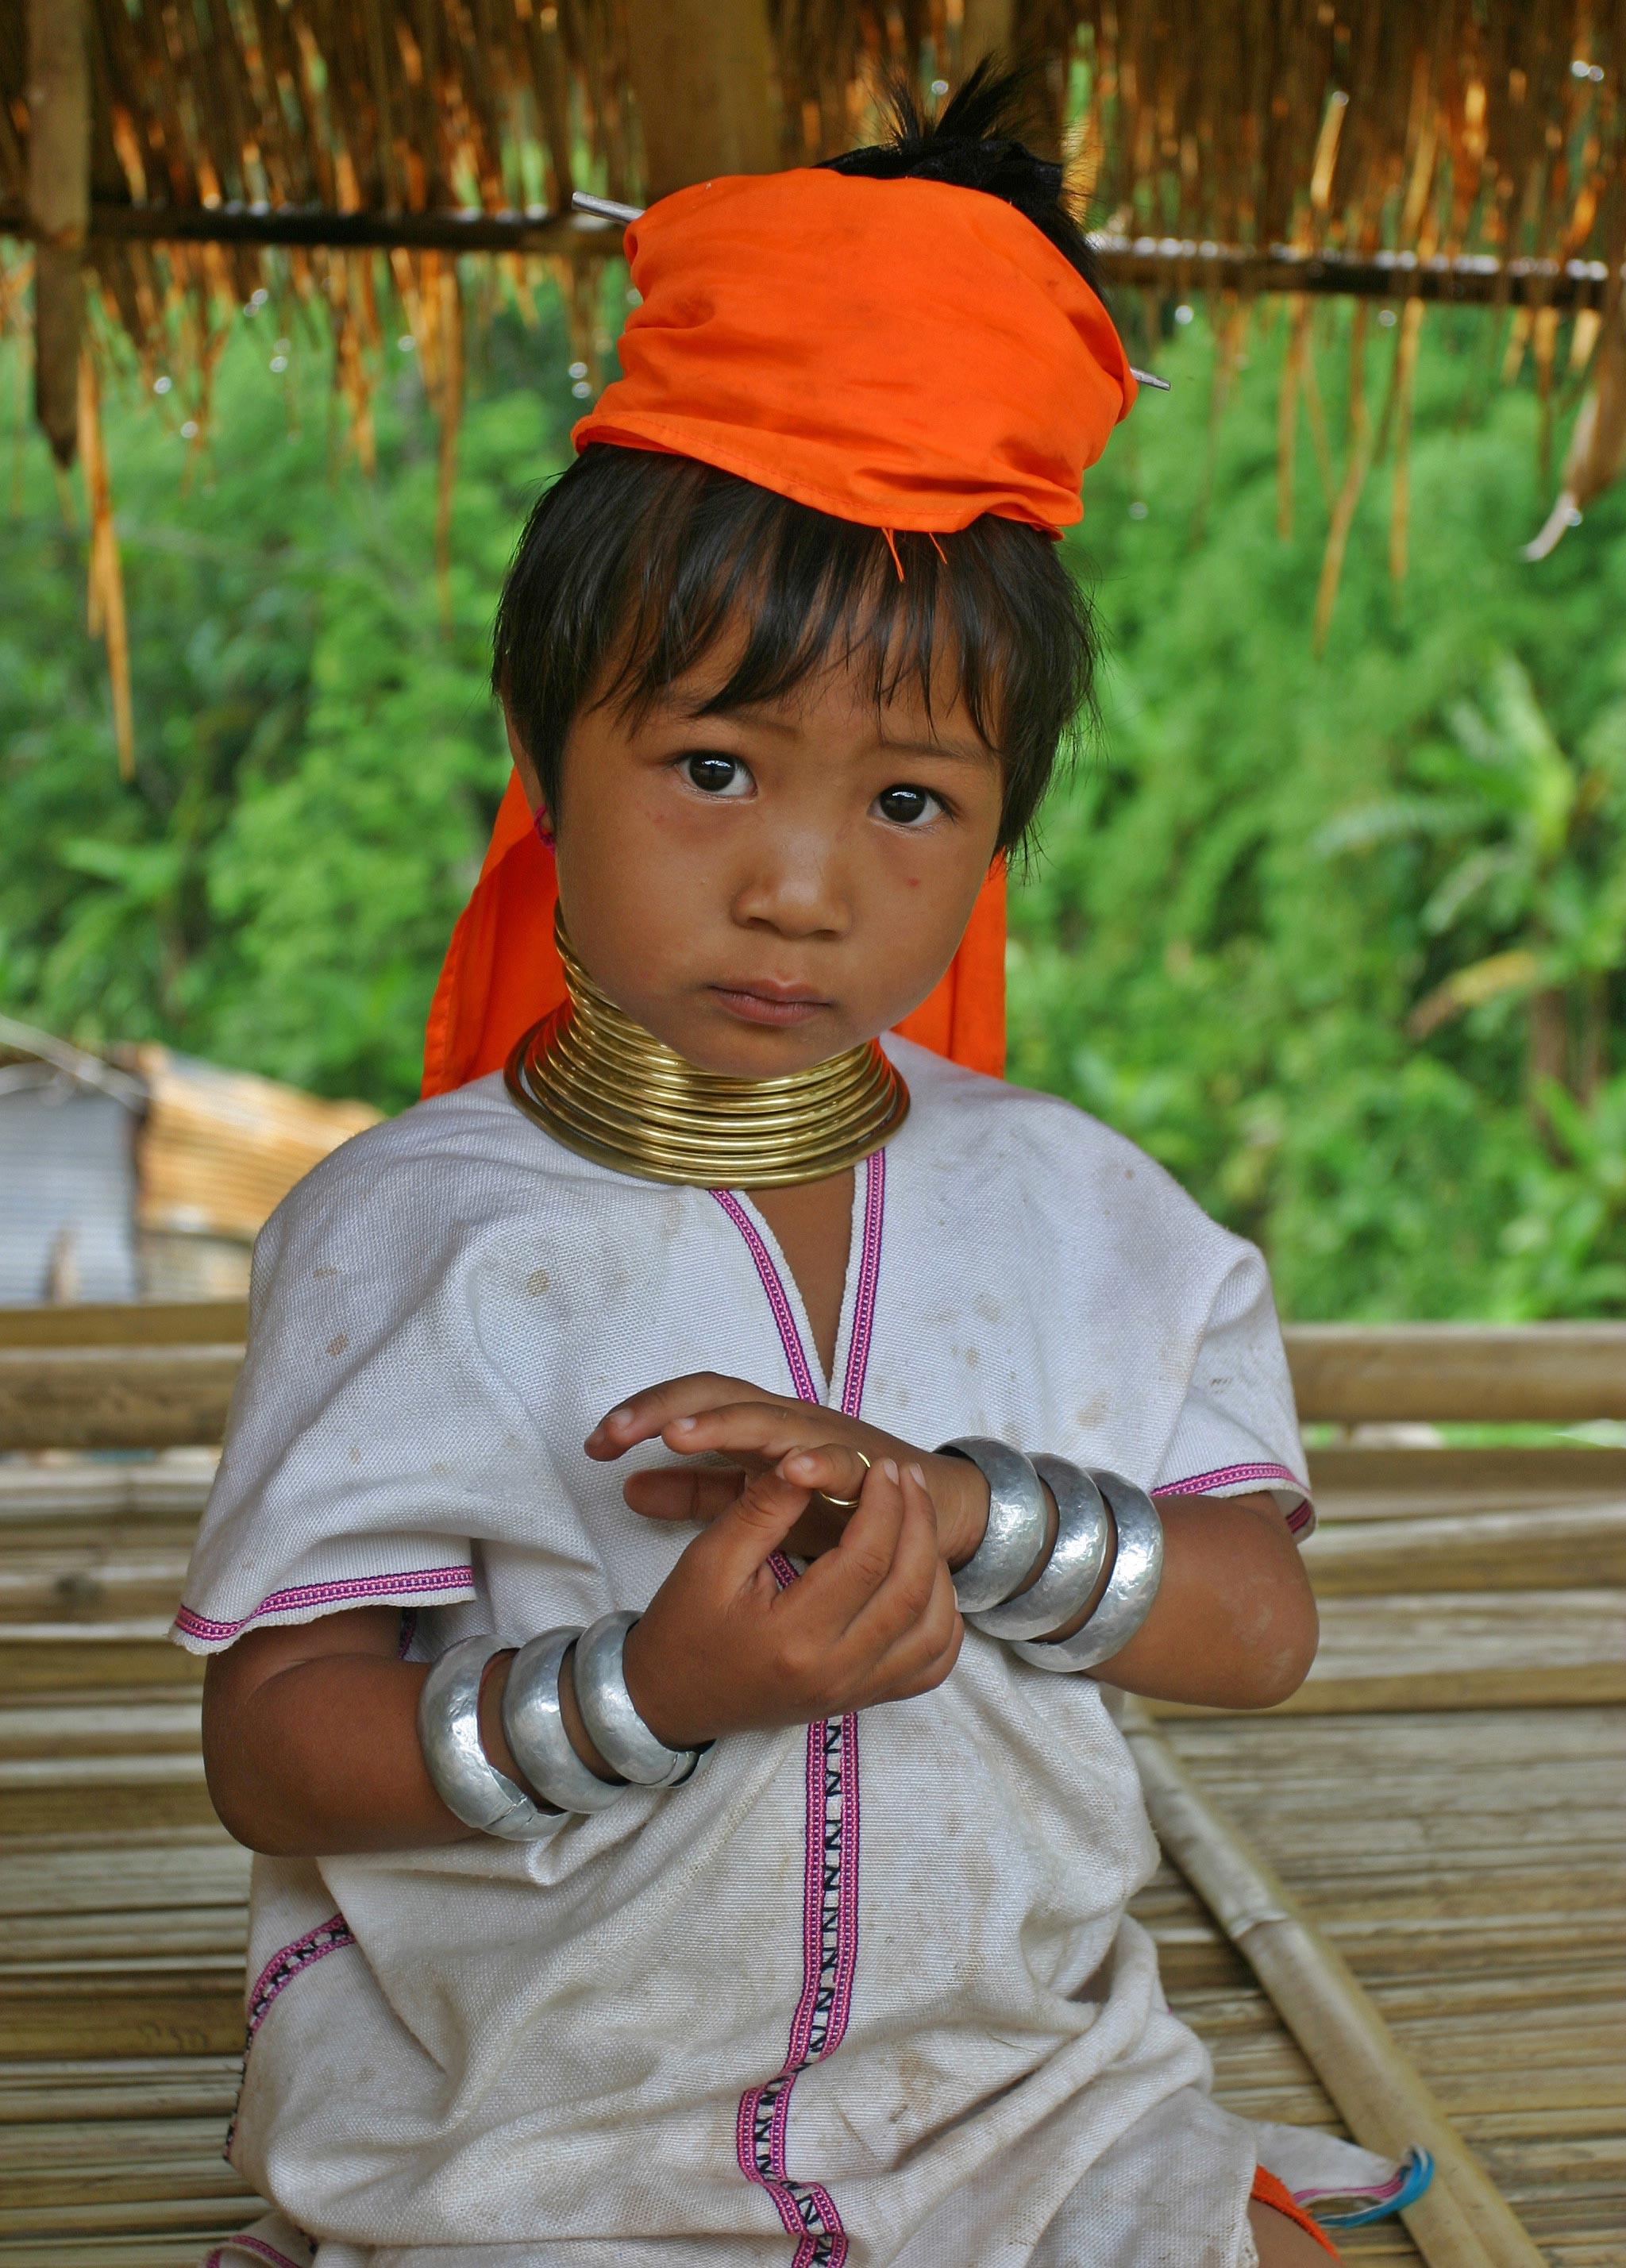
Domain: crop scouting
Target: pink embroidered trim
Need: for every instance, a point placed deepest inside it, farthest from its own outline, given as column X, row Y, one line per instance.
column 784, row 1315
column 830, row 1881
column 1379, row 2194
column 355, row 1589
column 869, row 1277
column 247, row 2244
column 1300, row 1520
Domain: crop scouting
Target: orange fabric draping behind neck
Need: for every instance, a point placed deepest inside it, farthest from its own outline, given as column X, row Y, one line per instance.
column 501, row 971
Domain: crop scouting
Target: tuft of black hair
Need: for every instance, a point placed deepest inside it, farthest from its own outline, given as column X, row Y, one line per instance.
column 974, row 143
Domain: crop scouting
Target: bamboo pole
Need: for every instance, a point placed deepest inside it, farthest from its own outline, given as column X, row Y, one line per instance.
column 702, row 71
column 59, row 206
column 987, row 28
column 1461, row 2221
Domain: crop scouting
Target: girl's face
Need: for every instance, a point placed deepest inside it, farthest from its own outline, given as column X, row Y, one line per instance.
column 763, row 889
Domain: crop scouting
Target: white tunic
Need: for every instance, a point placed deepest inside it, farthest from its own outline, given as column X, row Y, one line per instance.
column 865, row 1991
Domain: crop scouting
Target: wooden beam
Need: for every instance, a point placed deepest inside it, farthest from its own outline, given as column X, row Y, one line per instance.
column 537, row 229
column 702, row 73
column 1562, row 1549
column 59, row 208
column 126, row 1323
column 1552, row 1374
column 157, row 1397
column 1162, row 264
column 1356, row 1481
column 140, row 1387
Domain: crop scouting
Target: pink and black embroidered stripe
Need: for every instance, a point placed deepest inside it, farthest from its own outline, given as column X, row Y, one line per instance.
column 1300, row 1520
column 356, row 1590
column 830, row 1948
column 333, row 1935
column 830, row 1885
column 330, row 1936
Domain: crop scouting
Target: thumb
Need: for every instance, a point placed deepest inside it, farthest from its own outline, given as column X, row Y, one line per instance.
column 740, row 1540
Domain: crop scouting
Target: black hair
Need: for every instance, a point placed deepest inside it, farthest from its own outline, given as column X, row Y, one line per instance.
column 632, row 564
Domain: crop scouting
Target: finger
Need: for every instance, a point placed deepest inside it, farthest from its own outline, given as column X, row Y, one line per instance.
column 644, row 1415
column 831, row 1469
column 752, row 1429
column 900, row 1681
column 697, row 1492
column 914, row 1579
column 840, row 1584
column 740, row 1540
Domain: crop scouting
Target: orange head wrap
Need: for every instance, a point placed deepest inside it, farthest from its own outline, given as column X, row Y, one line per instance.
column 904, row 354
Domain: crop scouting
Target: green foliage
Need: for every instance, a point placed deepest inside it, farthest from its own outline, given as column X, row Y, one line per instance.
column 1340, row 938
column 317, row 760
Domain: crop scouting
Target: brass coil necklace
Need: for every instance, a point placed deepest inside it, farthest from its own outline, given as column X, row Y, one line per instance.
column 610, row 1090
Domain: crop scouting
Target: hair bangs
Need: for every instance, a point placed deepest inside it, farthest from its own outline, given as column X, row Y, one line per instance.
column 790, row 597
column 637, row 569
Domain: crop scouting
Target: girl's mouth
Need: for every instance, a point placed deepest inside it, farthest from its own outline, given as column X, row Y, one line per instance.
column 769, row 1003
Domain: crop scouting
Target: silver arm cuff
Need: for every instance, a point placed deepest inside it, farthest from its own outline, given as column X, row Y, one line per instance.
column 1018, row 1517
column 1082, row 1538
column 1131, row 1588
column 534, row 1724
column 614, row 1725
column 465, row 1779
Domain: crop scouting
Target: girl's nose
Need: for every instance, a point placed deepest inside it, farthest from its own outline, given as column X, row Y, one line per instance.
column 800, row 891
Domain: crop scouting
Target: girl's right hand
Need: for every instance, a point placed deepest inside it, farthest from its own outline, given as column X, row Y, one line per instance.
column 722, row 1648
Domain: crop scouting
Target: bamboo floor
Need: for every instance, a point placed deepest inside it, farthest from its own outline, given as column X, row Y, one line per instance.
column 1446, row 1797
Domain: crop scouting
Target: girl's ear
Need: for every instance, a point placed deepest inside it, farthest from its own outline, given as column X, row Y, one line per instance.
column 528, row 779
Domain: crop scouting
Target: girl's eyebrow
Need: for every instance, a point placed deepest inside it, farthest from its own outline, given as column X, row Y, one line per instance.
column 760, row 716
column 963, row 752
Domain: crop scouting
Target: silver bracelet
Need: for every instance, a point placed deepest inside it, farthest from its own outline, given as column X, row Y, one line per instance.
column 614, row 1725
column 534, row 1724
column 1082, row 1538
column 465, row 1779
column 1131, row 1588
column 1018, row 1519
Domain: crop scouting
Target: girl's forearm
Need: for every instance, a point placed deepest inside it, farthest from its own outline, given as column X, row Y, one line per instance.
column 323, row 1758
column 1234, row 1623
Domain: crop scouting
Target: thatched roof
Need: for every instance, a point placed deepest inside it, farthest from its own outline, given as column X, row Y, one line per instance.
column 183, row 156
column 1489, row 132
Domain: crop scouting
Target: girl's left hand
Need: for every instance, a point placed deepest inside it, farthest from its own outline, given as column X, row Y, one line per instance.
column 750, row 1430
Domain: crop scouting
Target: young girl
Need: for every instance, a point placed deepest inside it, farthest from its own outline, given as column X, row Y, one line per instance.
column 618, row 1576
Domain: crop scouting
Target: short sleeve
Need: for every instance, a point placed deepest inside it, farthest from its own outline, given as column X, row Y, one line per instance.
column 1238, row 1430
column 357, row 1430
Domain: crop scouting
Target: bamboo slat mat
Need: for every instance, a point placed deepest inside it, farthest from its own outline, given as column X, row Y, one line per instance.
column 1467, row 1861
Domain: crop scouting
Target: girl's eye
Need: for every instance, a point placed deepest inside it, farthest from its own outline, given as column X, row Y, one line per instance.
column 906, row 807
column 716, row 775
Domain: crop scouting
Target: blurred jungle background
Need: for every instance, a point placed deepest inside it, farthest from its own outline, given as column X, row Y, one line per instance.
column 1331, row 918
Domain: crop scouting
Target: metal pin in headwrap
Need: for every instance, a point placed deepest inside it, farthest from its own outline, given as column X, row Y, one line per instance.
column 607, row 208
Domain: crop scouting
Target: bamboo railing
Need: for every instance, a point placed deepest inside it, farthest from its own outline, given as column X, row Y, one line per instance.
column 149, row 1376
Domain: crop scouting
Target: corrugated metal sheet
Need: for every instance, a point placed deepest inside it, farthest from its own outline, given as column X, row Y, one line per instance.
column 67, row 1192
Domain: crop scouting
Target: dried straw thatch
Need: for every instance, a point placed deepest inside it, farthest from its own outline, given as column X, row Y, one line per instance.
column 182, row 156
